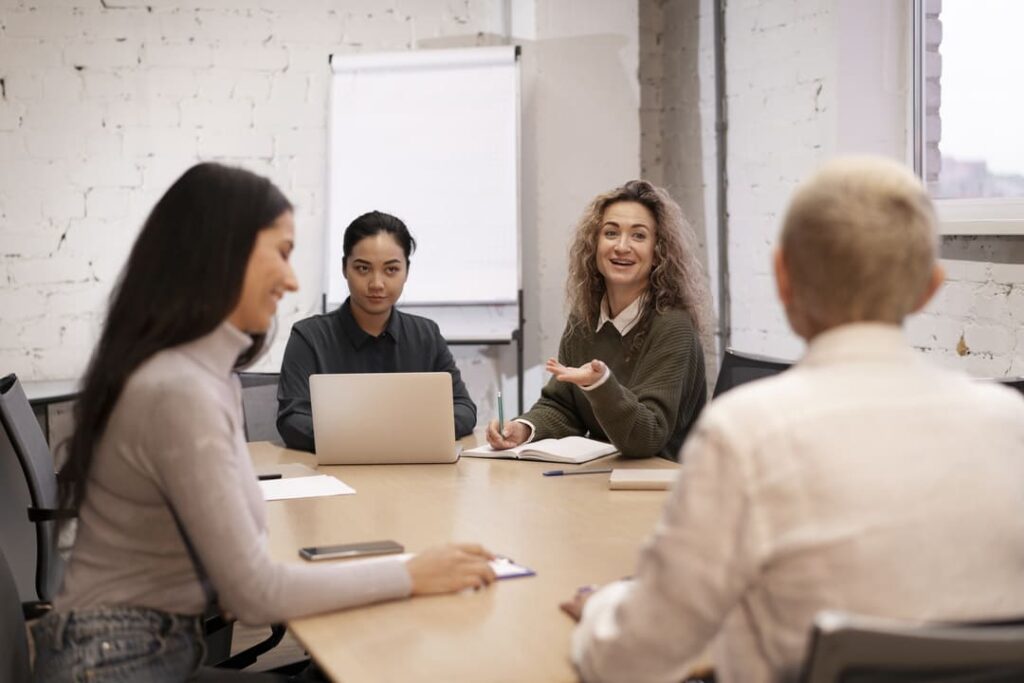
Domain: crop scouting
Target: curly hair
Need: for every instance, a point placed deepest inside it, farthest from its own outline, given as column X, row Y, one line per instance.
column 677, row 278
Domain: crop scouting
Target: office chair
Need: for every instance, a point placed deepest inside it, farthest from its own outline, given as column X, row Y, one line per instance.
column 22, row 441
column 17, row 534
column 32, row 485
column 259, row 406
column 851, row 649
column 739, row 368
column 13, row 641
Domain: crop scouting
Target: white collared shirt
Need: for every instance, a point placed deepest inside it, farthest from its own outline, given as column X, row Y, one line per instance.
column 627, row 318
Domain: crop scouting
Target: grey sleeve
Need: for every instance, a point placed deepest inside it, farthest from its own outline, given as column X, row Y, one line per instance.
column 294, row 411
column 206, row 475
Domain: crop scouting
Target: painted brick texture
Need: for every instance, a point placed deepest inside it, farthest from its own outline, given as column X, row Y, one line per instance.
column 103, row 105
column 677, row 119
column 784, row 71
column 781, row 80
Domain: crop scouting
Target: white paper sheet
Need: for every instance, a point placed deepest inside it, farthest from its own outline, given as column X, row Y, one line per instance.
column 304, row 487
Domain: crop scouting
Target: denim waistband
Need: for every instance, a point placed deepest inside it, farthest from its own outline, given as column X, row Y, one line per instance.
column 59, row 629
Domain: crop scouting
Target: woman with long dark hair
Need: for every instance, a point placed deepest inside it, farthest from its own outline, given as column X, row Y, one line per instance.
column 170, row 517
column 630, row 369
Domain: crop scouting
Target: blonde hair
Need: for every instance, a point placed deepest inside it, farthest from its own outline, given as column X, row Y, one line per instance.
column 859, row 243
column 677, row 277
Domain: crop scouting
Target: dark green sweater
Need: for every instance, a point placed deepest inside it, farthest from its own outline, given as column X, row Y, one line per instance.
column 648, row 403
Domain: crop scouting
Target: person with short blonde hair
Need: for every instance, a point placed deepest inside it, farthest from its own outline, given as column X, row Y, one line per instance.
column 862, row 479
column 630, row 369
column 878, row 217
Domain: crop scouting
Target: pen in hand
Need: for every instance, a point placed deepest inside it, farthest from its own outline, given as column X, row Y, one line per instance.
column 566, row 473
column 501, row 415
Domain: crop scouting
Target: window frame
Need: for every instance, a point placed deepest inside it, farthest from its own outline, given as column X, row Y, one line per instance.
column 968, row 216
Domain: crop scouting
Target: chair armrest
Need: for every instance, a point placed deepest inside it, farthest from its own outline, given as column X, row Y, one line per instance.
column 49, row 514
column 216, row 623
column 35, row 609
column 248, row 657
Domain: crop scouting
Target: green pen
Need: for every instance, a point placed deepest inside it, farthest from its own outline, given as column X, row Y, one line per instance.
column 501, row 415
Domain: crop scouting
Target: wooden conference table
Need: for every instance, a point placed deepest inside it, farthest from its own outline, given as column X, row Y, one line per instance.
column 571, row 531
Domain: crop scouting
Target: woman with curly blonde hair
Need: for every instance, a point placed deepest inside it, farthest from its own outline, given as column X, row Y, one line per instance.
column 630, row 369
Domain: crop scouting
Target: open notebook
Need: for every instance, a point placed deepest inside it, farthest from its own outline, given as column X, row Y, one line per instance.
column 573, row 450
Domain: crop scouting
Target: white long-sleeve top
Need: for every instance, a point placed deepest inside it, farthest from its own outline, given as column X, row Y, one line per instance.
column 176, row 435
column 862, row 479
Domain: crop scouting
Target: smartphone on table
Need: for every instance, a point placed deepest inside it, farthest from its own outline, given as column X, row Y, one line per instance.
column 348, row 550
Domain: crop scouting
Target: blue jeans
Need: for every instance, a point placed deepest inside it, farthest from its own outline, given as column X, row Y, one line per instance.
column 117, row 644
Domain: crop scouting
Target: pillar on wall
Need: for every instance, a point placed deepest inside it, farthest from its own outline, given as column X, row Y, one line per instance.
column 677, row 123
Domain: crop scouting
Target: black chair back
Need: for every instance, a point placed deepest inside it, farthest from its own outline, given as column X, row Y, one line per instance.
column 23, row 437
column 850, row 649
column 13, row 641
column 17, row 534
column 739, row 368
column 259, row 405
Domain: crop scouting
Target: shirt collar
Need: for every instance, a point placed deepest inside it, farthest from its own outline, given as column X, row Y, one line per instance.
column 871, row 341
column 626, row 320
column 358, row 335
column 219, row 350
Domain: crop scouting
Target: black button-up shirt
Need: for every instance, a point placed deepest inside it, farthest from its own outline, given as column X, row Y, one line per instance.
column 334, row 343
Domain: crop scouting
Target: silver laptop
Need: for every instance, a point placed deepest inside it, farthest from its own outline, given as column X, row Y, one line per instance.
column 381, row 418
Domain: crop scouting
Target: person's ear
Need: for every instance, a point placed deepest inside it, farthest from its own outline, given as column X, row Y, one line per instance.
column 938, row 276
column 784, row 288
column 782, row 283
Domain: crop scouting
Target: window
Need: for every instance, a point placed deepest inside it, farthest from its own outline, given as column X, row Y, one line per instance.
column 968, row 111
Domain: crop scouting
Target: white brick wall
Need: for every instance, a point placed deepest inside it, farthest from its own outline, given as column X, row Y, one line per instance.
column 103, row 105
column 813, row 79
column 86, row 152
column 781, row 80
column 974, row 321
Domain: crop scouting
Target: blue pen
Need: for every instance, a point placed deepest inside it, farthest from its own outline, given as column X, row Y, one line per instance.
column 566, row 473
